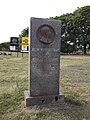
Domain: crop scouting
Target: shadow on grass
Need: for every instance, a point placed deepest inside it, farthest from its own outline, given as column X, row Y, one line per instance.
column 75, row 101
column 74, row 109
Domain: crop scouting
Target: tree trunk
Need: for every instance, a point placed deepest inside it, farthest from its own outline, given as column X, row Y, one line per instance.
column 85, row 48
column 89, row 46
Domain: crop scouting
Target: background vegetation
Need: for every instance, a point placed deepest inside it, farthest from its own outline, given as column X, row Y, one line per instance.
column 6, row 45
column 75, row 31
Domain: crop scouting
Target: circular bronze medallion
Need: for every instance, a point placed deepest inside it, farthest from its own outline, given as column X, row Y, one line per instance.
column 45, row 34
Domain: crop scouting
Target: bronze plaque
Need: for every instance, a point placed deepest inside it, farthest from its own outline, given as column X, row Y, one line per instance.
column 45, row 34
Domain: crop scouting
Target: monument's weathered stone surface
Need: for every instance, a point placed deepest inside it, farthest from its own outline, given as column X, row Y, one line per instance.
column 44, row 62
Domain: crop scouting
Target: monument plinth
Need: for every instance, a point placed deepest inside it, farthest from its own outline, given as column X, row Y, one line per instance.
column 44, row 62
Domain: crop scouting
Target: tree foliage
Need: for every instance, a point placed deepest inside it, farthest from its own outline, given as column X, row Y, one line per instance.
column 4, row 46
column 24, row 33
column 76, row 27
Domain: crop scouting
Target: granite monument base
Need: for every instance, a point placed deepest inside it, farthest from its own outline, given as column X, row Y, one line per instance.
column 42, row 100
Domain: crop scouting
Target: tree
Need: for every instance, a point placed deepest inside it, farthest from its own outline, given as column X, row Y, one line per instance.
column 82, row 25
column 24, row 33
column 5, row 46
column 76, row 27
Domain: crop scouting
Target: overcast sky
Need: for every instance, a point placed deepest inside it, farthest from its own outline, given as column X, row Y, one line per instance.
column 15, row 14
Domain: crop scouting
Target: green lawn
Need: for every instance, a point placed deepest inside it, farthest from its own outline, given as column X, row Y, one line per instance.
column 75, row 83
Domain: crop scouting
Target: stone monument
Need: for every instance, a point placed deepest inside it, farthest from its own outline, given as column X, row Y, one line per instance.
column 44, row 63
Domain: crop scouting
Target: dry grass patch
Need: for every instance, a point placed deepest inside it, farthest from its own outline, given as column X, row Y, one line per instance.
column 75, row 83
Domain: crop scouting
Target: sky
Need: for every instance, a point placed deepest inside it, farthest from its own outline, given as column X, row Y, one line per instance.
column 15, row 14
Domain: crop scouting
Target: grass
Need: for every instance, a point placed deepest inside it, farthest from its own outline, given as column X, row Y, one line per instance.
column 74, row 82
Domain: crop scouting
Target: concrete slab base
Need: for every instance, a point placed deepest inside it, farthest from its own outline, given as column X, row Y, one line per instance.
column 42, row 100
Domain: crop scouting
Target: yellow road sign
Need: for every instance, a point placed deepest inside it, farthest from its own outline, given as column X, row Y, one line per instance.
column 25, row 41
column 25, row 44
